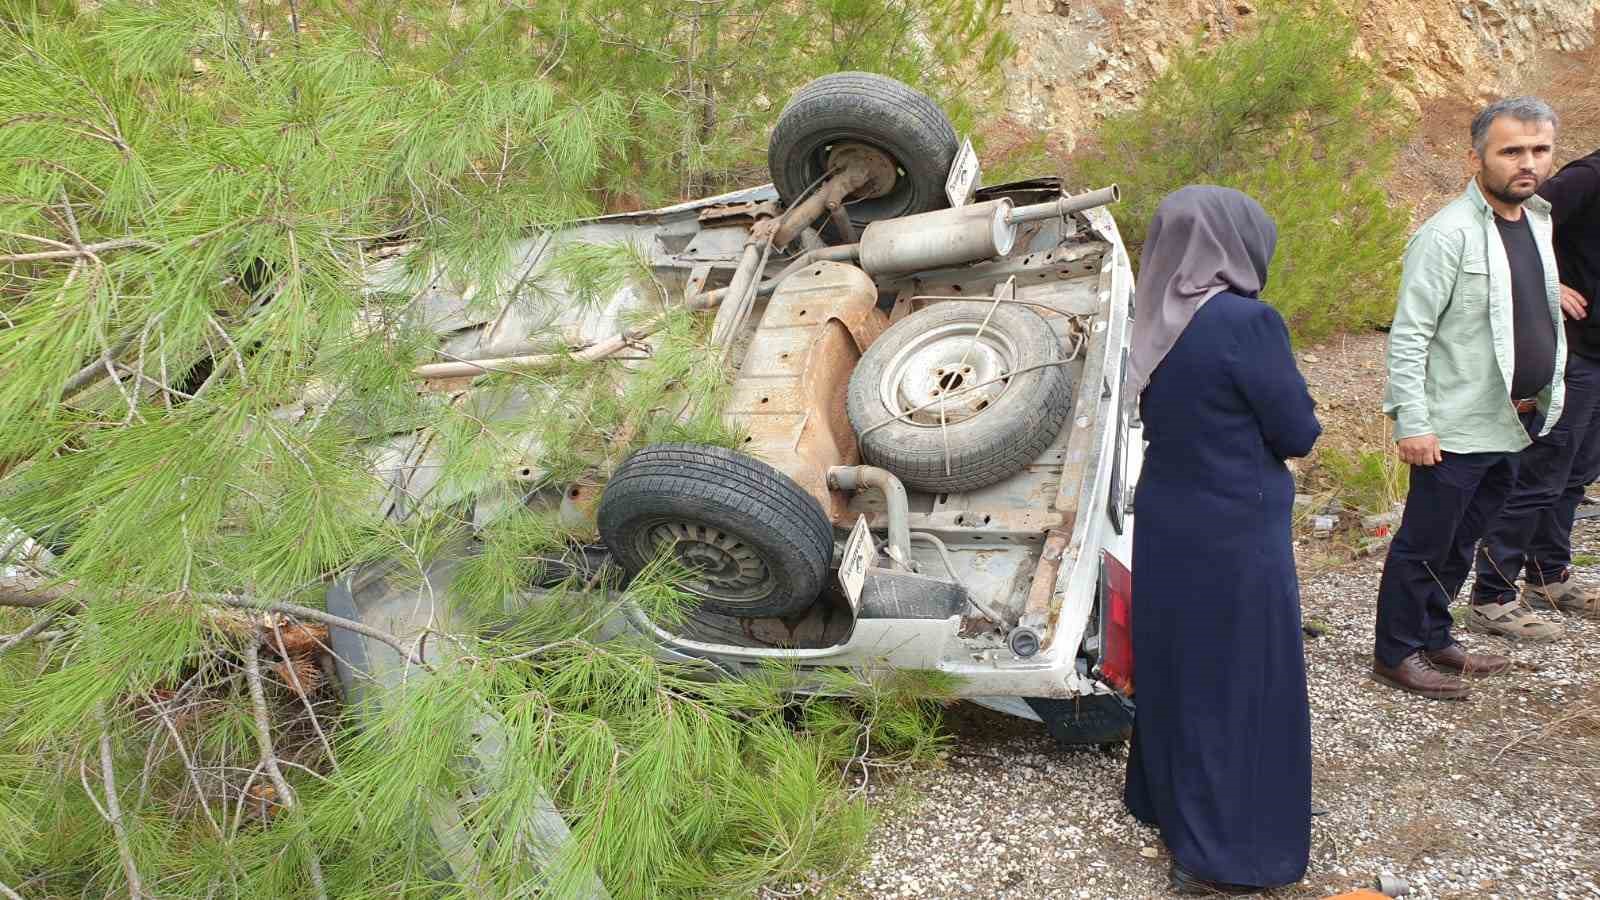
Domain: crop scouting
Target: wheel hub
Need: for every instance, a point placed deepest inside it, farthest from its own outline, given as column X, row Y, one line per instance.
column 878, row 167
column 938, row 374
column 724, row 567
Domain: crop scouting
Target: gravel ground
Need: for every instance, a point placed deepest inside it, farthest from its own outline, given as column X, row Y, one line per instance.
column 1417, row 787
column 1475, row 799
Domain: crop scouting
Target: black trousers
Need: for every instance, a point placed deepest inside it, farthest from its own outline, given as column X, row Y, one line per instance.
column 1448, row 508
column 1533, row 533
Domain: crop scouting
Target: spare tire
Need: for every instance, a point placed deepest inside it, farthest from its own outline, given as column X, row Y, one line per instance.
column 757, row 544
column 991, row 432
column 877, row 113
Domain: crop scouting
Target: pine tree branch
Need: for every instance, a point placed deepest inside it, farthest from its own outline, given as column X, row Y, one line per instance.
column 317, row 615
column 28, row 634
column 269, row 757
column 30, row 593
column 244, row 795
column 86, row 250
column 53, row 635
column 113, row 811
column 94, row 372
column 33, row 593
column 238, row 358
column 459, row 367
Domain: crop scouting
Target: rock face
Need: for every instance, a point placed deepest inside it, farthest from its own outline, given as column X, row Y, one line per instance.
column 1078, row 60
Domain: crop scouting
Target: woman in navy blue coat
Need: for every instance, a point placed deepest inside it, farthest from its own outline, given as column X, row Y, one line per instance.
column 1221, row 753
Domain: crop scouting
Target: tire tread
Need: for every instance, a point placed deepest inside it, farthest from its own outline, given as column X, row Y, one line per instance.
column 737, row 493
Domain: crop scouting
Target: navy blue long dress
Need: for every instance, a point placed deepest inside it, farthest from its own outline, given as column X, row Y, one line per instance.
column 1221, row 753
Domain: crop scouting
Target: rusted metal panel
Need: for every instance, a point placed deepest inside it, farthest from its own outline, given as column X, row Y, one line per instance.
column 743, row 212
column 770, row 395
column 789, row 395
column 1042, row 591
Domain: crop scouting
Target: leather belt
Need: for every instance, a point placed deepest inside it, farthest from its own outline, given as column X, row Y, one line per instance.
column 1526, row 406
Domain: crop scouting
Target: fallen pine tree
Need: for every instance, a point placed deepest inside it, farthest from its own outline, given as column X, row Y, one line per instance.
column 194, row 367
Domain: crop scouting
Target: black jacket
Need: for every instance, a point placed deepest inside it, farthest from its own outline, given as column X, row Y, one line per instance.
column 1574, row 195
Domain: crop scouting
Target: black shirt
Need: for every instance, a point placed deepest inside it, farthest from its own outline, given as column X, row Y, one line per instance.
column 1574, row 195
column 1532, row 331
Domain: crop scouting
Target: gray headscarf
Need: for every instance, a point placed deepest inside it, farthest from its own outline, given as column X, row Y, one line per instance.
column 1203, row 240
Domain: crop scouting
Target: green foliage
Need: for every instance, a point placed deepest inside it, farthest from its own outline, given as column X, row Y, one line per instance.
column 206, row 336
column 1371, row 481
column 710, row 79
column 1290, row 115
column 673, row 786
column 1029, row 159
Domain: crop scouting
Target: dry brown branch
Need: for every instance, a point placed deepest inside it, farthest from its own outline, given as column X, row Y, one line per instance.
column 188, row 764
column 269, row 757
column 300, row 690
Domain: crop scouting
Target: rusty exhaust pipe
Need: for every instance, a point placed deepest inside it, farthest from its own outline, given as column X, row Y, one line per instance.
column 1065, row 206
column 934, row 240
column 898, row 506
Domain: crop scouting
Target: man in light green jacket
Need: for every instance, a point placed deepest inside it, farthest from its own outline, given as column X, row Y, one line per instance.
column 1476, row 355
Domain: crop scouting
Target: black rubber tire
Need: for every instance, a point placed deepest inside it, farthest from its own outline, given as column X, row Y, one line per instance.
column 738, row 495
column 1094, row 720
column 992, row 445
column 867, row 109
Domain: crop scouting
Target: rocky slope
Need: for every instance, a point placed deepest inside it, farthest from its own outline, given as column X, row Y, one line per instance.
column 1080, row 59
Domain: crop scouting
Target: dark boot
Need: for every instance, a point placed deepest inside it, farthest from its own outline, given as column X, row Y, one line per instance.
column 1456, row 658
column 1182, row 881
column 1417, row 674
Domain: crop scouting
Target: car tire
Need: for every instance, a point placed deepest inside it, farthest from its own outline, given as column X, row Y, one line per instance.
column 880, row 112
column 989, row 434
column 759, row 544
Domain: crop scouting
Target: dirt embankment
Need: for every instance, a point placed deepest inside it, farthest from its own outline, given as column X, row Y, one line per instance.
column 1078, row 60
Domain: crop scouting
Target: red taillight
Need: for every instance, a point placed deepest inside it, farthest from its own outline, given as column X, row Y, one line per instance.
column 1116, row 625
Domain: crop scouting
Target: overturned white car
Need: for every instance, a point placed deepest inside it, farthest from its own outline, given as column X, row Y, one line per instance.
column 939, row 465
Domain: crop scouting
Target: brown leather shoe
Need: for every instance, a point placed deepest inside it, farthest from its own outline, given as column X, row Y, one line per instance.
column 1417, row 675
column 1456, row 658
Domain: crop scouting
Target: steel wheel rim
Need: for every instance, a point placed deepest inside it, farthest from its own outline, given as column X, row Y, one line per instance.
column 938, row 368
column 722, row 566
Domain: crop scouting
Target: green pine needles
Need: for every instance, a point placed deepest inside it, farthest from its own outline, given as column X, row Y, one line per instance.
column 1287, row 113
column 218, row 225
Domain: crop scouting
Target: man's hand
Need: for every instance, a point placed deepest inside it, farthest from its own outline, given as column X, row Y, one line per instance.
column 1573, row 304
column 1422, row 450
